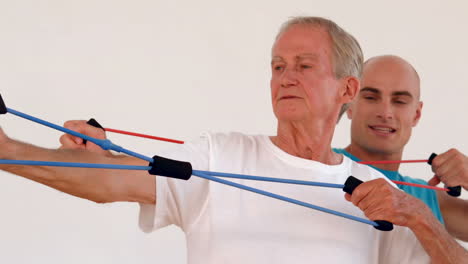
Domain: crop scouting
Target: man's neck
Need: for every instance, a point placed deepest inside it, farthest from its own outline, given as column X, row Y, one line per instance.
column 307, row 142
column 367, row 155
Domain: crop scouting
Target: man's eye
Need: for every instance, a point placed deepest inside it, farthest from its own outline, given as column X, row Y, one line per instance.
column 400, row 102
column 278, row 68
column 369, row 98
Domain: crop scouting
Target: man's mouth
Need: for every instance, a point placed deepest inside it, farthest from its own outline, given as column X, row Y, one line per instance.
column 288, row 97
column 383, row 129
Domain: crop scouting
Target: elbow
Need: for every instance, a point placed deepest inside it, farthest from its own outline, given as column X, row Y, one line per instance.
column 101, row 200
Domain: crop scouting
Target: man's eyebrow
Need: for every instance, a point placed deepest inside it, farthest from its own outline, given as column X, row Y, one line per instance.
column 298, row 57
column 276, row 59
column 370, row 89
column 402, row 93
column 377, row 91
column 307, row 56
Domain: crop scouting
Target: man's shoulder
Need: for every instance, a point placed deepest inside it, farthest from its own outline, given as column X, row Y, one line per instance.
column 233, row 135
column 234, row 139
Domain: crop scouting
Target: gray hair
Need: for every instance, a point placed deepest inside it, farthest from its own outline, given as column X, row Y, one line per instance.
column 347, row 58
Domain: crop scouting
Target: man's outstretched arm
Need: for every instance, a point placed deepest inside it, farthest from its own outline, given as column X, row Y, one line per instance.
column 98, row 185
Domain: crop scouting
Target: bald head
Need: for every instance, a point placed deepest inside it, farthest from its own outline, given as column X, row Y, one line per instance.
column 387, row 108
column 391, row 70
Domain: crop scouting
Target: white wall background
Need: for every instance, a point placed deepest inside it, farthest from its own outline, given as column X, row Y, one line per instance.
column 175, row 69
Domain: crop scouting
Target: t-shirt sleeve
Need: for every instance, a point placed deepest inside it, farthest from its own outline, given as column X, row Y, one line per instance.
column 179, row 202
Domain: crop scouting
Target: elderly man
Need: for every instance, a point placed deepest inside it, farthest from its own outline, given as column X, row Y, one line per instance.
column 383, row 114
column 315, row 72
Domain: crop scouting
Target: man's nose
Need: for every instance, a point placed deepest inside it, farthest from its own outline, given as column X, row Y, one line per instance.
column 385, row 110
column 289, row 77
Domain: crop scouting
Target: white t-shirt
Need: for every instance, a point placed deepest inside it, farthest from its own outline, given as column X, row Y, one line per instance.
column 224, row 224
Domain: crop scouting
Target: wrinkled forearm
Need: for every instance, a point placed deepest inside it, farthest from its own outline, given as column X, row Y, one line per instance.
column 438, row 243
column 98, row 185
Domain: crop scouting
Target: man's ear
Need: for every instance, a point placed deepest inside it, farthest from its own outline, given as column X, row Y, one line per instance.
column 417, row 117
column 351, row 88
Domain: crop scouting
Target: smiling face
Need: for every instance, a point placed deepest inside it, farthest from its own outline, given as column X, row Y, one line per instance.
column 387, row 106
column 303, row 84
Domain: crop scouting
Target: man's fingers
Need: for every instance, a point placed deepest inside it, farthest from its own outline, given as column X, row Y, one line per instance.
column 442, row 159
column 74, row 124
column 82, row 127
column 377, row 213
column 443, row 168
column 358, row 194
column 77, row 126
column 70, row 142
column 347, row 196
column 434, row 181
column 78, row 140
column 375, row 196
column 453, row 178
column 452, row 168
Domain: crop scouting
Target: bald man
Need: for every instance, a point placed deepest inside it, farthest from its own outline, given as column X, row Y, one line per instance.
column 382, row 117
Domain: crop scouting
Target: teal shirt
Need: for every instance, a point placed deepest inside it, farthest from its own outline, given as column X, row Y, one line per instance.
column 428, row 196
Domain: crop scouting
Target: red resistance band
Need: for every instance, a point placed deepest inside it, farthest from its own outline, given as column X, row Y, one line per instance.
column 93, row 122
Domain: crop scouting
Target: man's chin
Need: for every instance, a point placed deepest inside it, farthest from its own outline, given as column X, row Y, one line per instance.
column 382, row 149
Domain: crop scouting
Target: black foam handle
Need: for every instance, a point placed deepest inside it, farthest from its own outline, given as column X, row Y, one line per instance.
column 383, row 225
column 170, row 168
column 453, row 191
column 94, row 123
column 350, row 184
column 3, row 109
column 431, row 158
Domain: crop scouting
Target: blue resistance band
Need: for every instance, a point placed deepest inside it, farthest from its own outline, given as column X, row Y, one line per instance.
column 169, row 166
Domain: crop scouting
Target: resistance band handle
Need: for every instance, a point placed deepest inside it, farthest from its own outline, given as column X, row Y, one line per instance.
column 431, row 158
column 3, row 109
column 170, row 168
column 453, row 191
column 94, row 123
column 349, row 186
